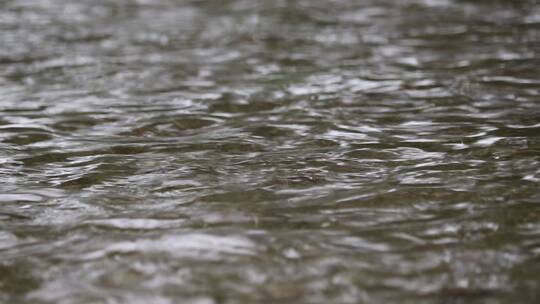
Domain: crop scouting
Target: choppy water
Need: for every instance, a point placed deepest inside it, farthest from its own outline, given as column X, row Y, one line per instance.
column 269, row 151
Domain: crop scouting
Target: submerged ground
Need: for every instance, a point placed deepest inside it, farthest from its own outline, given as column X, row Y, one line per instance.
column 269, row 151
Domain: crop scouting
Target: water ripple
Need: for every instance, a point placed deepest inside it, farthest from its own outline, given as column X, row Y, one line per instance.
column 269, row 151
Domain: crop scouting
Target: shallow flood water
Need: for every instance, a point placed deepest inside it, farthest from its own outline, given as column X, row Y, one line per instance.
column 168, row 151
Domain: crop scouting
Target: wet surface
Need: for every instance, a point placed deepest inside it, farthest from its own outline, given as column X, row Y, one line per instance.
column 269, row 151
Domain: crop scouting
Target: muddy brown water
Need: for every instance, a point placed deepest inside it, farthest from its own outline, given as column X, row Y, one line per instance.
column 212, row 152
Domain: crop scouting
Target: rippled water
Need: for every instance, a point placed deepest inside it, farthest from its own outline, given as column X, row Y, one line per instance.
column 307, row 151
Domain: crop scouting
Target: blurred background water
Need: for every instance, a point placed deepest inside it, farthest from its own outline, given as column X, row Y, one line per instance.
column 310, row 151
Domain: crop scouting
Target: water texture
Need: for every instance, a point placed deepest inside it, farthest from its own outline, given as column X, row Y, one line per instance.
column 310, row 151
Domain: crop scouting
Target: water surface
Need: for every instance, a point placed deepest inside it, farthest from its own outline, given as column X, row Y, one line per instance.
column 303, row 151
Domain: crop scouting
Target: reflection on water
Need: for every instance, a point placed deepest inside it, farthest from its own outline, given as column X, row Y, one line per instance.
column 269, row 151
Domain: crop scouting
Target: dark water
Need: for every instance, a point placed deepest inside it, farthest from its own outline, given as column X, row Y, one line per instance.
column 269, row 151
